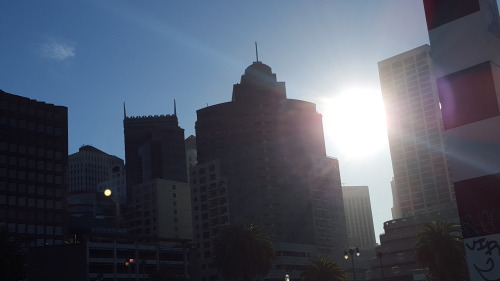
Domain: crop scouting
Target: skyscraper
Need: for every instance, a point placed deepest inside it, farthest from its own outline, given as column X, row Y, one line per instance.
column 268, row 155
column 90, row 167
column 33, row 165
column 415, row 129
column 91, row 171
column 154, row 149
column 421, row 187
column 465, row 39
column 157, row 190
column 359, row 220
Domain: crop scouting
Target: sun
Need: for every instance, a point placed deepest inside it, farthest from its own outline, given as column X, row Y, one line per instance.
column 354, row 121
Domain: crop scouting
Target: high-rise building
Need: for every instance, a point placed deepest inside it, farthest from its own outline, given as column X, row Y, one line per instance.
column 33, row 167
column 90, row 169
column 359, row 219
column 154, row 149
column 262, row 160
column 162, row 208
column 421, row 187
column 421, row 181
column 191, row 157
column 157, row 189
column 359, row 222
column 465, row 40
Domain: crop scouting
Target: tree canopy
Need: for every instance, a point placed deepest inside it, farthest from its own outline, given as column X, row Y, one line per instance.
column 243, row 252
column 323, row 269
column 440, row 248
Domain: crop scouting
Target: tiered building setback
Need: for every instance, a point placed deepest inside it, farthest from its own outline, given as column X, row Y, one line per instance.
column 265, row 156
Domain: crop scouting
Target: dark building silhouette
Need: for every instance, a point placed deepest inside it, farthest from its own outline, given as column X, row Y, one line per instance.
column 154, row 149
column 108, row 256
column 262, row 160
column 91, row 172
column 159, row 200
column 33, row 165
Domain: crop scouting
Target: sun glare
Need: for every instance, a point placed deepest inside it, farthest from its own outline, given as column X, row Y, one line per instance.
column 354, row 121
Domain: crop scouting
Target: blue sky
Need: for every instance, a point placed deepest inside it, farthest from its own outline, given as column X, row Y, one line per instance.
column 94, row 55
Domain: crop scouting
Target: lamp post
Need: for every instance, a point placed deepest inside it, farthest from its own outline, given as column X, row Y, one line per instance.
column 351, row 252
column 379, row 255
column 128, row 264
column 109, row 193
column 287, row 277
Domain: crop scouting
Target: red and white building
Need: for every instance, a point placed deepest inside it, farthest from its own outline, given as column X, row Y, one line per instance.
column 465, row 42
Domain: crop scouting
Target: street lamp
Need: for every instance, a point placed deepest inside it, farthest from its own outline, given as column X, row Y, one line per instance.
column 108, row 192
column 287, row 277
column 128, row 264
column 379, row 255
column 351, row 252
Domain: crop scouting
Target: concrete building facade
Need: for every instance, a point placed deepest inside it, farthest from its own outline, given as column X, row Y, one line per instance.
column 90, row 167
column 415, row 129
column 359, row 219
column 162, row 208
column 91, row 171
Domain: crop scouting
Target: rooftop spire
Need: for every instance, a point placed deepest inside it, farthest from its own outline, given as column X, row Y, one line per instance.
column 256, row 52
column 175, row 108
column 124, row 111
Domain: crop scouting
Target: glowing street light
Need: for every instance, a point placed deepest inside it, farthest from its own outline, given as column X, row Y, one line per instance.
column 128, row 264
column 351, row 252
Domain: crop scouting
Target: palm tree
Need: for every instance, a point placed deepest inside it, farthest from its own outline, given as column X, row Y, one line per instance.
column 243, row 252
column 323, row 269
column 440, row 248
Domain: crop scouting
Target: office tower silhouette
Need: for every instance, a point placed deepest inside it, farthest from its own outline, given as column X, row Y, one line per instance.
column 33, row 167
column 262, row 160
column 359, row 219
column 158, row 194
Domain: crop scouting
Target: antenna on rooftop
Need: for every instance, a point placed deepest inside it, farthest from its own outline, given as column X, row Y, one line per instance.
column 256, row 51
column 124, row 111
column 175, row 108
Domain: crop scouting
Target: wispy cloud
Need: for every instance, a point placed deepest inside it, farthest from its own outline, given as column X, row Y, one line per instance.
column 57, row 50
